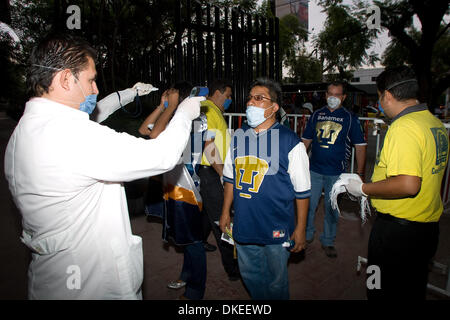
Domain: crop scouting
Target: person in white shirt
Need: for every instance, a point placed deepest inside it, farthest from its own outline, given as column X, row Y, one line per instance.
column 65, row 174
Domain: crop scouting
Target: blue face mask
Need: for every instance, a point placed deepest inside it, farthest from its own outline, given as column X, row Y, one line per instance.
column 380, row 107
column 227, row 104
column 89, row 103
column 255, row 116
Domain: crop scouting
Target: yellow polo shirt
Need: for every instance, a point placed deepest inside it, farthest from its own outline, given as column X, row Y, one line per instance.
column 217, row 129
column 416, row 144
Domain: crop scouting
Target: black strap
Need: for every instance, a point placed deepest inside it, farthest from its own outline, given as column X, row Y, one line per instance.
column 137, row 111
column 404, row 222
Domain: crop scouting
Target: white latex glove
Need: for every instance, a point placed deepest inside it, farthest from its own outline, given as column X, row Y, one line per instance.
column 190, row 107
column 354, row 187
column 143, row 88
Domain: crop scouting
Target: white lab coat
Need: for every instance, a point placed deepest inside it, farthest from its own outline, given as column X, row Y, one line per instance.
column 65, row 173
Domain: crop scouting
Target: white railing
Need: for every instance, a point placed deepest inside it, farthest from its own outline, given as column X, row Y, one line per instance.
column 371, row 126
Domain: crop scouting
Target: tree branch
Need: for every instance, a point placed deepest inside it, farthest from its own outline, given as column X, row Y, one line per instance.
column 397, row 27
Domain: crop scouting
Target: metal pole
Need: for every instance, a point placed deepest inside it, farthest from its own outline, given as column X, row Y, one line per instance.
column 295, row 123
column 377, row 150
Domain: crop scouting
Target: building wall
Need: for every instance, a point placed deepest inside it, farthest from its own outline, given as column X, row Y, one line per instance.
column 298, row 8
column 366, row 76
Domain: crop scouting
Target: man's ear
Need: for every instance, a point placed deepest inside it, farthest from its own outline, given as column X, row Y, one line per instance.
column 65, row 79
column 215, row 94
column 276, row 107
column 388, row 96
column 344, row 97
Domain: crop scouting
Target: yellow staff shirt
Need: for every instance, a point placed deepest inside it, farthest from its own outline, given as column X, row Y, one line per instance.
column 217, row 129
column 416, row 144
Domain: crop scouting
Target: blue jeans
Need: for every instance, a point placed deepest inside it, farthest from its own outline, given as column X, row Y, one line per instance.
column 194, row 271
column 319, row 182
column 264, row 270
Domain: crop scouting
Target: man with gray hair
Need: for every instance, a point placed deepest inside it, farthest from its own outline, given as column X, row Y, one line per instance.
column 266, row 177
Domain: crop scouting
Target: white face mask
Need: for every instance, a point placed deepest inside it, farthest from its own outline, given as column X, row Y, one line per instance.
column 255, row 115
column 333, row 102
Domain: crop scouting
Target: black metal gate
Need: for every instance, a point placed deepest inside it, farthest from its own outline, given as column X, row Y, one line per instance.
column 213, row 42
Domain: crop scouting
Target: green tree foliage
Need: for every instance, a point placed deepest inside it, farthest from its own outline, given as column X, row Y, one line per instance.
column 425, row 50
column 344, row 41
column 304, row 68
column 292, row 35
column 244, row 5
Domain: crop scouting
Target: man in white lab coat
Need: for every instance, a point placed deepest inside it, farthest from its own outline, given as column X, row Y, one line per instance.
column 65, row 173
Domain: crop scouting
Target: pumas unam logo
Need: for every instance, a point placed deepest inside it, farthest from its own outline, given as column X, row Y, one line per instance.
column 250, row 172
column 327, row 133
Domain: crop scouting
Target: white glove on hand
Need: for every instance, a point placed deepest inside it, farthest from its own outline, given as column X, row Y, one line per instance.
column 190, row 107
column 354, row 187
column 143, row 88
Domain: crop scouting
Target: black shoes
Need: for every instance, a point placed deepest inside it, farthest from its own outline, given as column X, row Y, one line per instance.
column 233, row 272
column 234, row 276
column 330, row 251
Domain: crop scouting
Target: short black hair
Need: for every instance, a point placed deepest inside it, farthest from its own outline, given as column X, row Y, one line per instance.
column 273, row 86
column 274, row 91
column 342, row 84
column 184, row 89
column 219, row 84
column 57, row 52
column 401, row 82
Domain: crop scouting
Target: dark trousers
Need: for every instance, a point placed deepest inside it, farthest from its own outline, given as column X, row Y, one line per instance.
column 211, row 190
column 194, row 271
column 403, row 252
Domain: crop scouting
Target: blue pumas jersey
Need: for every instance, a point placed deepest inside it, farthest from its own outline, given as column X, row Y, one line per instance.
column 268, row 171
column 332, row 135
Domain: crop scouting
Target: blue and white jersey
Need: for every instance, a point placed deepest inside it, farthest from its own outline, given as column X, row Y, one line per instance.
column 268, row 170
column 332, row 135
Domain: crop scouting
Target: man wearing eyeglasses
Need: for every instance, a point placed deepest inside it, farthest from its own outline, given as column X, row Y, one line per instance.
column 331, row 131
column 266, row 177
